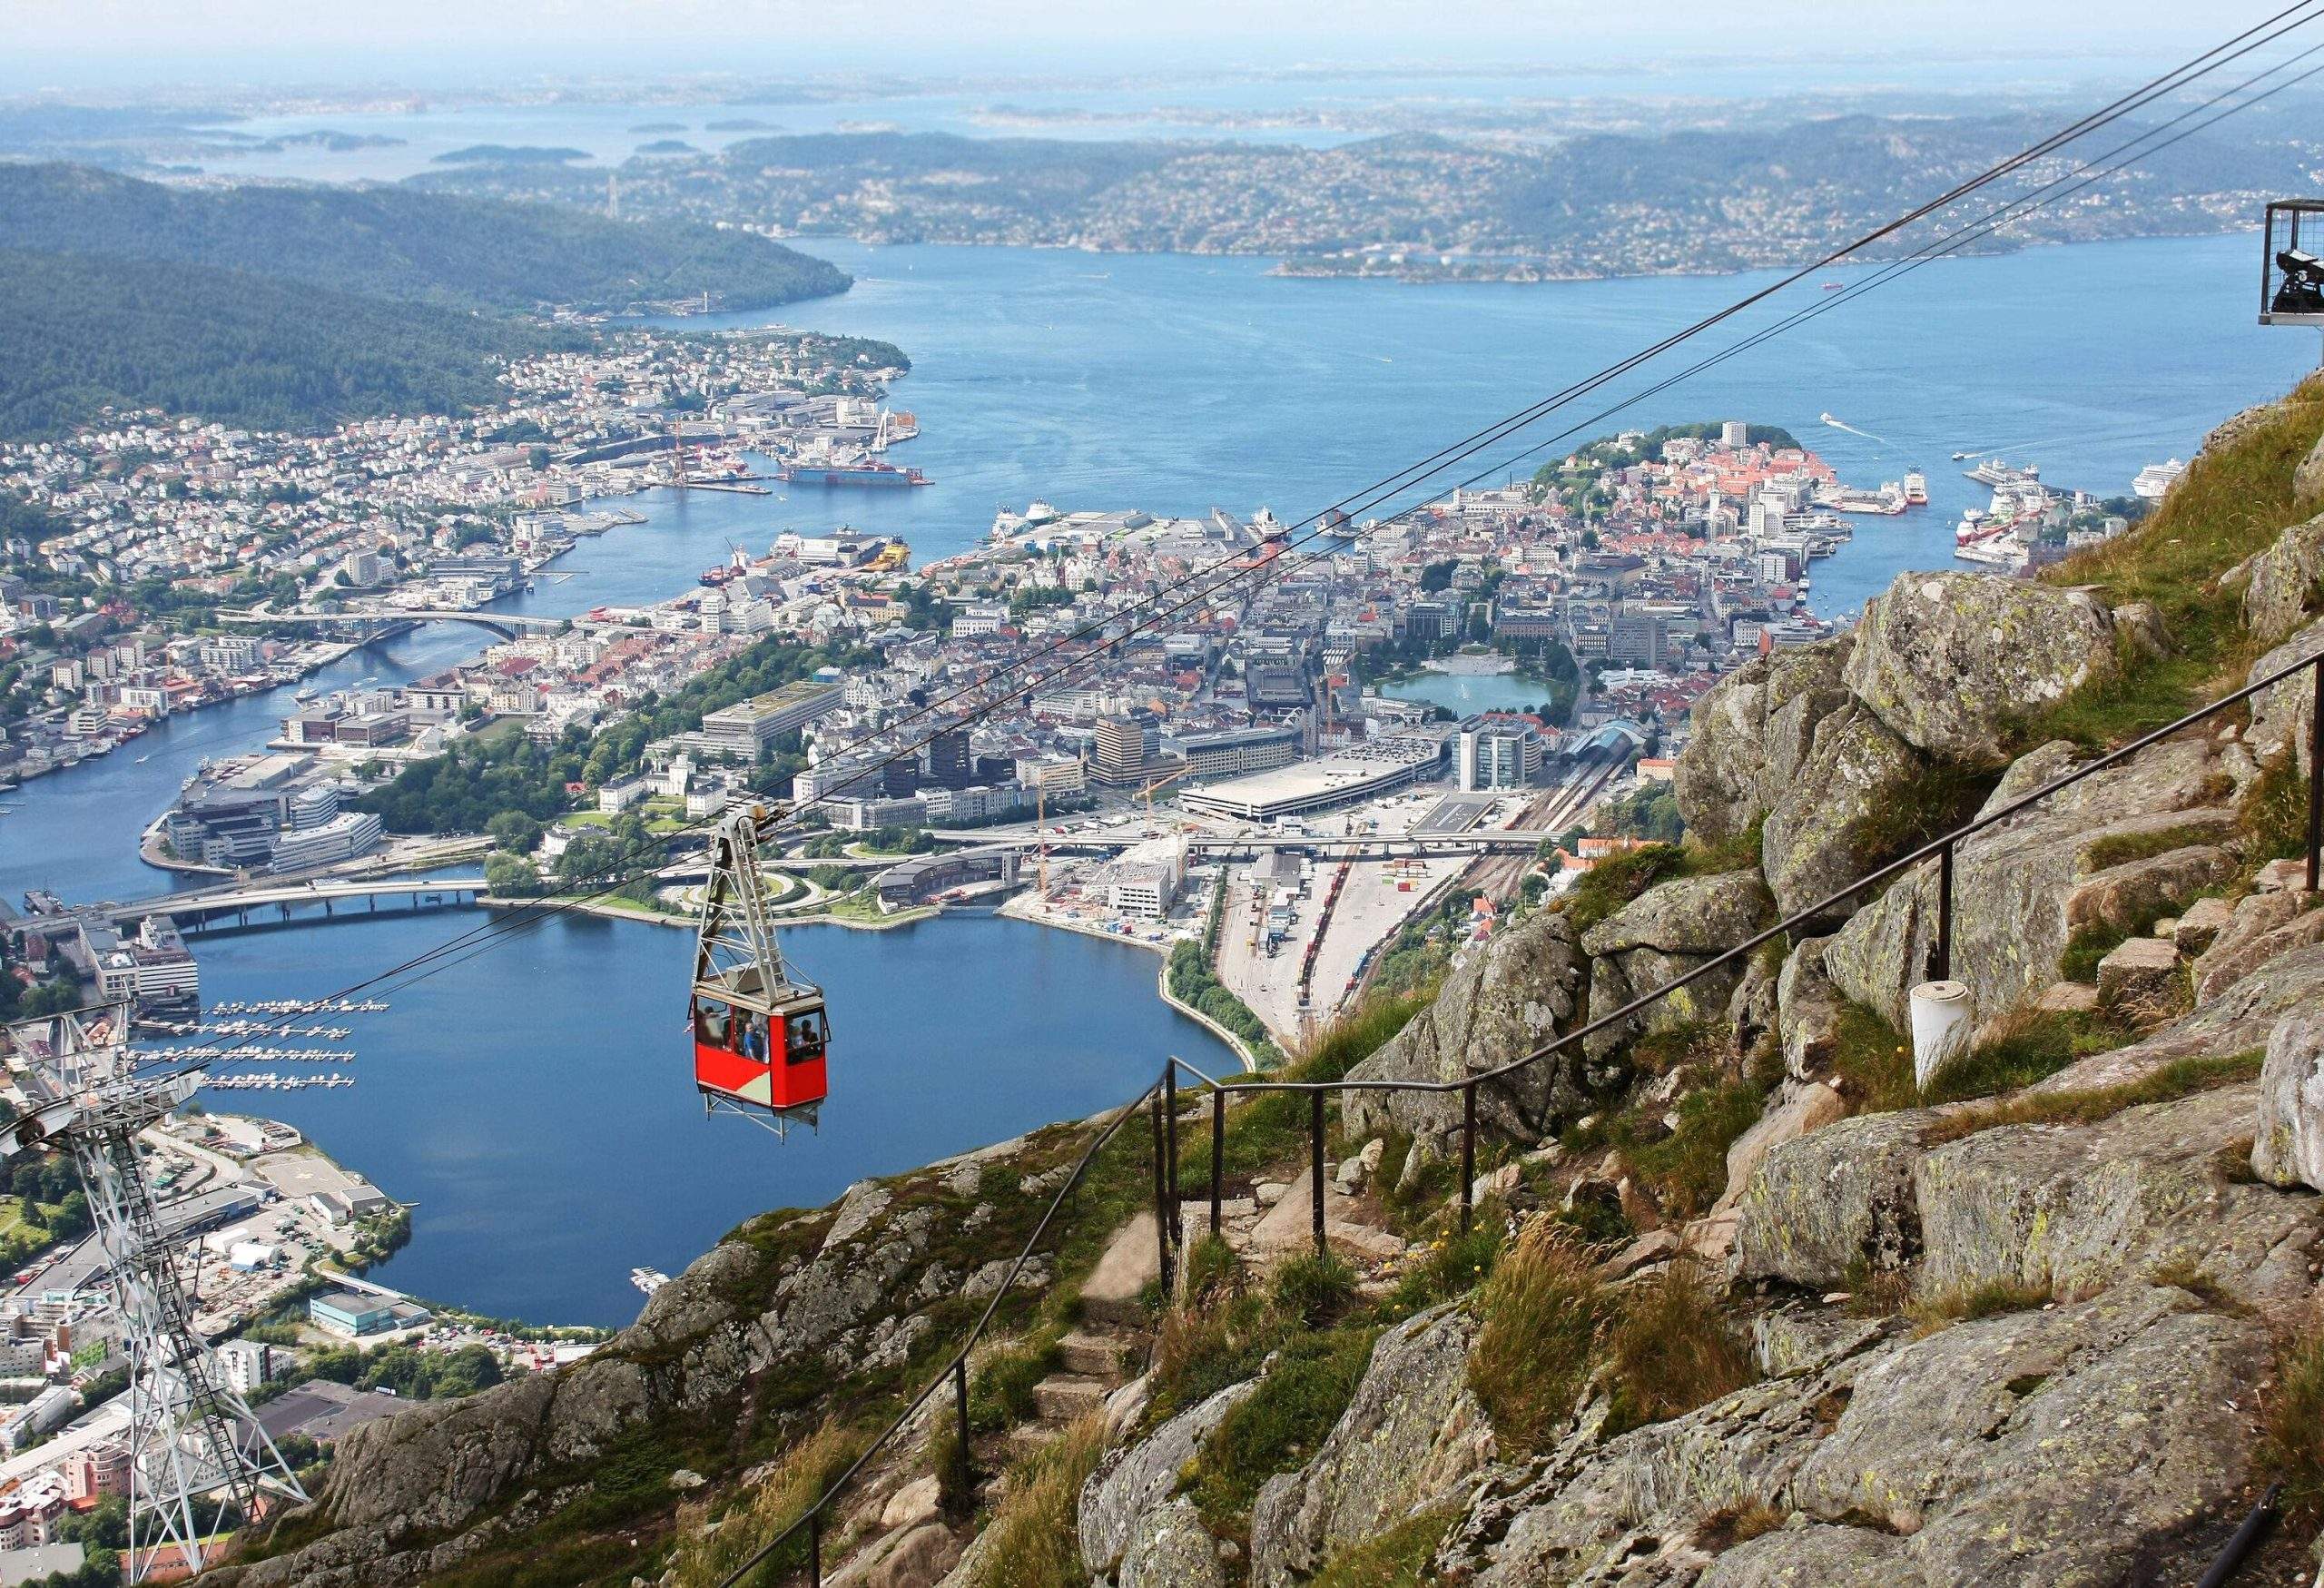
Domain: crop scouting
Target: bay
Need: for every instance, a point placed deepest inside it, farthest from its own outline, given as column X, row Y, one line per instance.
column 497, row 1094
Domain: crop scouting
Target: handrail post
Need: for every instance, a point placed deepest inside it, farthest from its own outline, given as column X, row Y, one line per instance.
column 1161, row 1198
column 1218, row 1153
column 1944, row 968
column 1170, row 1136
column 1316, row 1165
column 2316, row 779
column 1468, row 1154
column 960, row 1412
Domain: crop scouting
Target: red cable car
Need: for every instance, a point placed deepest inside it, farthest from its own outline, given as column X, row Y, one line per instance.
column 760, row 1036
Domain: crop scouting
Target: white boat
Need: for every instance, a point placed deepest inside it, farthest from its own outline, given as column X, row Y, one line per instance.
column 2155, row 480
column 648, row 1279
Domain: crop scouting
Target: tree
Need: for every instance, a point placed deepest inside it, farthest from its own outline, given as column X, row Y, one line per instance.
column 514, row 832
column 509, row 874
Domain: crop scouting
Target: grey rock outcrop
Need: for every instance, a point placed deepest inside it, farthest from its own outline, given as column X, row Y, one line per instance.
column 2288, row 1142
column 1411, row 1437
column 2080, row 1209
column 2282, row 714
column 2307, row 480
column 1170, row 1548
column 2044, row 1447
column 2022, row 884
column 1520, row 992
column 1751, row 734
column 1820, row 832
column 1660, row 935
column 1137, row 1478
column 1949, row 660
column 1819, row 1208
column 2287, row 582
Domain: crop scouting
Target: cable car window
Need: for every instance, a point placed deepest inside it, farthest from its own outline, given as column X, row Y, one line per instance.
column 710, row 1024
column 807, row 1035
column 754, row 1037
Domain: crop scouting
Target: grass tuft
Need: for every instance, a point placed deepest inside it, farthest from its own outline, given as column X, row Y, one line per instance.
column 2182, row 1078
column 1278, row 1426
column 1990, row 1299
column 1397, row 1558
column 2022, row 1046
column 1539, row 1321
column 1672, row 1350
column 2122, row 848
column 1314, row 1287
column 704, row 1559
column 1874, row 1061
column 1036, row 1542
column 1615, row 881
column 1740, row 1523
column 2292, row 1444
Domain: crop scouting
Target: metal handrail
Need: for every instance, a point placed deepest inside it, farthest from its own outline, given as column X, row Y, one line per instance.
column 955, row 1369
column 1161, row 1096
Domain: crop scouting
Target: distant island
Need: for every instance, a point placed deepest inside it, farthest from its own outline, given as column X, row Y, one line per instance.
column 510, row 155
column 668, row 146
column 325, row 138
column 1425, row 206
column 659, row 127
column 742, row 124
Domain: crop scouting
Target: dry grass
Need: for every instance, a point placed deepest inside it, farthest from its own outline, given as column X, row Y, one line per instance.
column 1672, row 1349
column 1034, row 1540
column 1397, row 1558
column 703, row 1561
column 2023, row 1046
column 1735, row 1524
column 1539, row 1321
column 2230, row 504
column 2180, row 1078
column 1991, row 1299
column 2292, row 1445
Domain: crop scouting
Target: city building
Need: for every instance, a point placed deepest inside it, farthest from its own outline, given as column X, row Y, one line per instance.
column 248, row 1363
column 1234, row 751
column 748, row 729
column 1120, row 758
column 1347, row 778
column 1497, row 751
column 352, row 1315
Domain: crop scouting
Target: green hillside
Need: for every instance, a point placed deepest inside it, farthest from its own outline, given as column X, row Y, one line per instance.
column 399, row 242
column 77, row 334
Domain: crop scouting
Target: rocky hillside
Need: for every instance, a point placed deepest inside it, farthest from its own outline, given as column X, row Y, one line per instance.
column 1748, row 1302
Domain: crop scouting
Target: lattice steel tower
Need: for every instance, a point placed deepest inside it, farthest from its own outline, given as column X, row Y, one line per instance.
column 191, row 1436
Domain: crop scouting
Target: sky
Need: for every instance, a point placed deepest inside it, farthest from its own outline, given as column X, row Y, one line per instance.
column 428, row 42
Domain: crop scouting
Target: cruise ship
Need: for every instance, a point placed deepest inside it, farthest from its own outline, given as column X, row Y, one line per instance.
column 2155, row 480
column 1917, row 489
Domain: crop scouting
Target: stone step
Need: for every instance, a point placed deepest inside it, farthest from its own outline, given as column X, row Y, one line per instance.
column 1111, row 1295
column 1092, row 1356
column 1063, row 1397
column 1027, row 1437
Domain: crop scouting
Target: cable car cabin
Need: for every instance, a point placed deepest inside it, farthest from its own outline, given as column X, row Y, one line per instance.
column 760, row 1051
column 2291, row 264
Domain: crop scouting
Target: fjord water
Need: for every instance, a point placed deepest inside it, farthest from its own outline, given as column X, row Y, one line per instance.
column 534, row 1100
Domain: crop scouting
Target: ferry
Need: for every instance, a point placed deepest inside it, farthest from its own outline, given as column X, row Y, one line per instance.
column 2155, row 480
column 869, row 472
column 1917, row 489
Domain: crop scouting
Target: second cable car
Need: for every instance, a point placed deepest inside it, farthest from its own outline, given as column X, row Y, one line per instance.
column 761, row 1037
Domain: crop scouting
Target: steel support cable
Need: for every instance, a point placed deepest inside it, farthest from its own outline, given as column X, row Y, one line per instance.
column 529, row 916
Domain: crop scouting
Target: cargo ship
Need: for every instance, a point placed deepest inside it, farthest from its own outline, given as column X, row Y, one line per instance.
column 869, row 472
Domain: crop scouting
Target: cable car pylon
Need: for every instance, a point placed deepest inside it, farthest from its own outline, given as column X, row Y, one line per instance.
column 191, row 1437
column 760, row 1034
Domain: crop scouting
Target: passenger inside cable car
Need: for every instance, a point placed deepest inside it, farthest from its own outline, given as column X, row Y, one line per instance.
column 751, row 1056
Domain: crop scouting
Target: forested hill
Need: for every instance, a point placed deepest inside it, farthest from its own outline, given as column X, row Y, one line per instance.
column 399, row 242
column 78, row 333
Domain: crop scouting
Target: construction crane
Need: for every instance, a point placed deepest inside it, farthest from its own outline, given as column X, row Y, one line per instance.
column 191, row 1438
column 760, row 1034
column 1148, row 793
